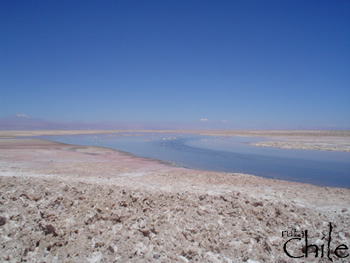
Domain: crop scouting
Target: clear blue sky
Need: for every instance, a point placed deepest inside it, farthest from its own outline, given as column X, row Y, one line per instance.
column 255, row 64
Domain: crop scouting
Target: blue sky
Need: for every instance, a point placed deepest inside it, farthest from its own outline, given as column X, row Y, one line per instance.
column 254, row 64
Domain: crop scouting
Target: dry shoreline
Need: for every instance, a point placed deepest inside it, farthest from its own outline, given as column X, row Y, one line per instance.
column 88, row 204
column 307, row 140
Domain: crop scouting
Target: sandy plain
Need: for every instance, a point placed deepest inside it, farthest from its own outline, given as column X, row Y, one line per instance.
column 66, row 203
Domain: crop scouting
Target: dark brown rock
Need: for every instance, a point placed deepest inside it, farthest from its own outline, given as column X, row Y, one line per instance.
column 2, row 221
column 49, row 229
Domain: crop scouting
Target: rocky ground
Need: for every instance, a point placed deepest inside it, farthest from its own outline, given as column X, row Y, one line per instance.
column 64, row 203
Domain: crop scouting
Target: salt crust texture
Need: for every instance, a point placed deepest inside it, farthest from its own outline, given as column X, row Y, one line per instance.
column 63, row 203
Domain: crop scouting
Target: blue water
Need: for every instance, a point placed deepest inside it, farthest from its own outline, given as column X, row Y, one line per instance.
column 228, row 154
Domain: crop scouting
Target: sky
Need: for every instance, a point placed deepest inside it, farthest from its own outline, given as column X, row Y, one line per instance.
column 251, row 64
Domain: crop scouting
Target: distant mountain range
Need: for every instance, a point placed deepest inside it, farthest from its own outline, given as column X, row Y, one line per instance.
column 24, row 122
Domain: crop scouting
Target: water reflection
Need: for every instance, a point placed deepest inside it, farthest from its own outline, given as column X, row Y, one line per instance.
column 228, row 154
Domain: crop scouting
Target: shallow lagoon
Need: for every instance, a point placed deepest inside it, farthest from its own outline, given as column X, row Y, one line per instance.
column 227, row 154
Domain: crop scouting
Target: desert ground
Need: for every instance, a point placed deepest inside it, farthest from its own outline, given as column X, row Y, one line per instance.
column 308, row 140
column 66, row 203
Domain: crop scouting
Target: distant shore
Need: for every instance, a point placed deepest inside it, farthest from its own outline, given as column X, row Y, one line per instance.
column 308, row 140
column 63, row 202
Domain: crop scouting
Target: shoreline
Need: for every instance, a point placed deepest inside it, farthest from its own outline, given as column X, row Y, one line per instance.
column 172, row 164
column 288, row 139
column 84, row 203
column 282, row 139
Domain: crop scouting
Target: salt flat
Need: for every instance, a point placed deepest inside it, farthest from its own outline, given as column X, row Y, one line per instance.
column 90, row 204
column 313, row 140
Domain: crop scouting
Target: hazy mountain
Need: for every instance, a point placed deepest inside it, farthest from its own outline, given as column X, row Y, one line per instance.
column 24, row 122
